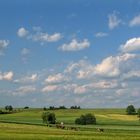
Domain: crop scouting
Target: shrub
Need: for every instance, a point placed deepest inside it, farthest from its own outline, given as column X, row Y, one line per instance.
column 86, row 119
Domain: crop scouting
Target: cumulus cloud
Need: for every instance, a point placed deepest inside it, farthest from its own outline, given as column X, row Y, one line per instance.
column 81, row 89
column 27, row 79
column 56, row 78
column 132, row 75
column 45, row 37
column 50, row 88
column 113, row 20
column 38, row 35
column 7, row 76
column 131, row 45
column 23, row 90
column 101, row 34
column 110, row 65
column 22, row 32
column 104, row 85
column 135, row 21
column 100, row 85
column 3, row 45
column 74, row 45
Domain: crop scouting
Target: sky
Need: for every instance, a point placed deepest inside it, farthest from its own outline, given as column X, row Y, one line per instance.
column 70, row 52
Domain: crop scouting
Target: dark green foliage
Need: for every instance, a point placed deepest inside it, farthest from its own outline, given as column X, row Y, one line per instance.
column 48, row 118
column 62, row 107
column 78, row 121
column 1, row 112
column 9, row 108
column 44, row 108
column 26, row 107
column 52, row 108
column 90, row 119
column 130, row 110
column 86, row 119
column 75, row 107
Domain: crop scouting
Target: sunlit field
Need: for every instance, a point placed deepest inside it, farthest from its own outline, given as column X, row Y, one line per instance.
column 27, row 124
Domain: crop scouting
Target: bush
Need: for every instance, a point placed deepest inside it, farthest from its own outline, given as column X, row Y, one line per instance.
column 86, row 119
column 48, row 118
column 130, row 110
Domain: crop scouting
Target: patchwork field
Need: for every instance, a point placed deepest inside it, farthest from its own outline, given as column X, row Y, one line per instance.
column 27, row 124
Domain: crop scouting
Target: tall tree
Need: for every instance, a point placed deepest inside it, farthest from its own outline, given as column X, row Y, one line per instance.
column 130, row 110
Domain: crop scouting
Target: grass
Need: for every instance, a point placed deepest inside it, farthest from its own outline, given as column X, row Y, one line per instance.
column 28, row 132
column 117, row 125
column 68, row 116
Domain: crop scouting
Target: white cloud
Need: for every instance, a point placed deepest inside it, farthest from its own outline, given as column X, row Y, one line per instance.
column 113, row 21
column 21, row 91
column 25, row 51
column 3, row 45
column 101, row 34
column 74, row 45
column 22, row 32
column 110, row 65
column 27, row 79
column 100, row 85
column 80, row 89
column 38, row 35
column 45, row 37
column 103, row 84
column 50, row 88
column 83, row 69
column 7, row 76
column 132, row 75
column 132, row 44
column 56, row 78
column 135, row 21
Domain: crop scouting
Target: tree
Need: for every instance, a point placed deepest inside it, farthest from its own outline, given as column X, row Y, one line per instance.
column 26, row 107
column 48, row 118
column 90, row 119
column 44, row 108
column 75, row 107
column 52, row 108
column 9, row 108
column 62, row 107
column 130, row 110
column 86, row 119
column 138, row 113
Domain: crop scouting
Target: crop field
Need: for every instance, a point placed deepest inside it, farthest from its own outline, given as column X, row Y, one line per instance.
column 27, row 124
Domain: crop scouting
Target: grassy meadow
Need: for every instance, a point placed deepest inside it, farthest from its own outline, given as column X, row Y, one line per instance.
column 27, row 124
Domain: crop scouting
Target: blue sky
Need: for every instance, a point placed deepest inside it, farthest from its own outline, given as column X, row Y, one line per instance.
column 77, row 52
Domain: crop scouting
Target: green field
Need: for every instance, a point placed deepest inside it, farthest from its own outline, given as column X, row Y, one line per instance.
column 27, row 124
